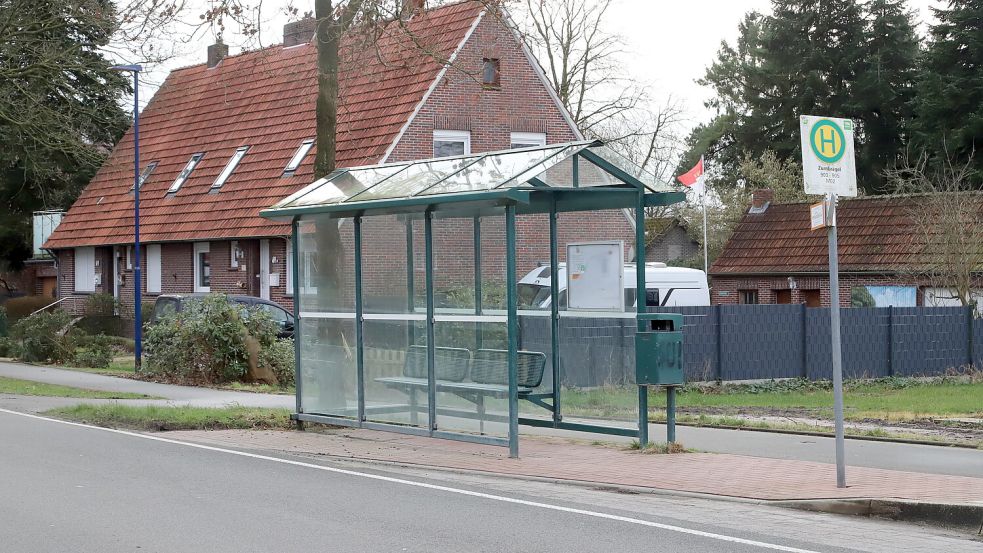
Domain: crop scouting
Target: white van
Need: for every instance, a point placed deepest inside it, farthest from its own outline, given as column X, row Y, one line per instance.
column 666, row 287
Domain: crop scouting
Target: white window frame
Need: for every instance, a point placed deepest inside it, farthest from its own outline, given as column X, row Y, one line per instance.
column 527, row 140
column 233, row 254
column 185, row 173
column 153, row 269
column 299, row 155
column 452, row 136
column 290, row 267
column 306, row 286
column 147, row 171
column 129, row 258
column 85, row 269
column 200, row 248
column 229, row 167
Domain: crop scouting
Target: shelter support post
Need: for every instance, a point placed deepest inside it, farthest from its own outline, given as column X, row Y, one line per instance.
column 410, row 291
column 641, row 295
column 511, row 293
column 359, row 339
column 477, row 281
column 555, row 309
column 298, row 381
column 431, row 362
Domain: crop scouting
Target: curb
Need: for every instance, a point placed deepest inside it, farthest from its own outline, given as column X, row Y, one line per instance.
column 830, row 435
column 961, row 517
column 965, row 518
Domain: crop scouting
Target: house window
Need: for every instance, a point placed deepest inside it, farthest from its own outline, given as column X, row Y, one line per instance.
column 146, row 174
column 490, row 73
column 153, row 268
column 85, row 269
column 451, row 143
column 290, row 267
column 749, row 297
column 129, row 258
column 235, row 254
column 528, row 139
column 307, row 285
column 203, row 268
column 185, row 173
column 299, row 156
column 229, row 167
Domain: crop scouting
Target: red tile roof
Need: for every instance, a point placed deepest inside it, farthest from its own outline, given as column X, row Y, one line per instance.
column 875, row 234
column 264, row 99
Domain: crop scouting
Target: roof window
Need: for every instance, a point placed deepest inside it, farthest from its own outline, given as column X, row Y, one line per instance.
column 185, row 173
column 146, row 174
column 294, row 163
column 229, row 167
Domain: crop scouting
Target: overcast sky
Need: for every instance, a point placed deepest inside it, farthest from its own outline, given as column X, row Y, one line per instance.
column 669, row 43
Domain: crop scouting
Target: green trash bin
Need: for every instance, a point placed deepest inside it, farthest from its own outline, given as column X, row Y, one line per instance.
column 659, row 349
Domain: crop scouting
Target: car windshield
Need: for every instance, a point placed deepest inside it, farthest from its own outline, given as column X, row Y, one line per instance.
column 532, row 296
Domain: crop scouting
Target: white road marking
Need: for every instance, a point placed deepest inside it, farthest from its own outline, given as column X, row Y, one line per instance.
column 390, row 479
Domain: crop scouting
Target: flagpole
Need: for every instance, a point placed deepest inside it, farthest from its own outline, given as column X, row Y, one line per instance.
column 706, row 258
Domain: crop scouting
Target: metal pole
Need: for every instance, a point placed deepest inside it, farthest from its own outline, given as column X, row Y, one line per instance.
column 410, row 289
column 359, row 339
column 641, row 307
column 478, row 307
column 671, row 414
column 431, row 361
column 706, row 256
column 834, row 319
column 513, row 330
column 555, row 308
column 298, row 335
column 137, row 307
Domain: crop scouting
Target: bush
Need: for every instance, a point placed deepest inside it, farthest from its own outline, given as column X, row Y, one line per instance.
column 43, row 337
column 18, row 308
column 279, row 357
column 8, row 348
column 3, row 321
column 207, row 341
column 97, row 356
column 118, row 345
column 101, row 304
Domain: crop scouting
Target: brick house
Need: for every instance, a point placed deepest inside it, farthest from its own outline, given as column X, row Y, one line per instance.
column 774, row 257
column 224, row 139
column 667, row 240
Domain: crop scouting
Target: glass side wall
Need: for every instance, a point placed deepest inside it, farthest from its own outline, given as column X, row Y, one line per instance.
column 470, row 332
column 535, row 328
column 326, row 297
column 394, row 320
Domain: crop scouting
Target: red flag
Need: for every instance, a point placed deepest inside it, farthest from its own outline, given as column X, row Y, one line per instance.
column 694, row 177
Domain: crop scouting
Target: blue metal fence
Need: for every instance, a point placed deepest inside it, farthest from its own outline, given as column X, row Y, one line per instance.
column 747, row 342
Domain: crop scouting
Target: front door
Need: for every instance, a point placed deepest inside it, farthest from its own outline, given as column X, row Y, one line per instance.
column 264, row 269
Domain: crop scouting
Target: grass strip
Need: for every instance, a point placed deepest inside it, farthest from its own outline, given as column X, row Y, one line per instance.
column 30, row 388
column 159, row 418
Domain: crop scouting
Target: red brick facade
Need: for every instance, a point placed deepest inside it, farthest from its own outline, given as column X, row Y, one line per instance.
column 521, row 103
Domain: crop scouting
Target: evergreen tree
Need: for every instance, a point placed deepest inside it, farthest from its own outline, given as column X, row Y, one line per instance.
column 59, row 109
column 949, row 103
column 816, row 57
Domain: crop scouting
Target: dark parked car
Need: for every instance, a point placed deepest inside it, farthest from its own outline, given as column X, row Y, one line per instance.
column 172, row 303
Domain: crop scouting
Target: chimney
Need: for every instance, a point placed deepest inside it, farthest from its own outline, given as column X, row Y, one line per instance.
column 760, row 199
column 299, row 32
column 216, row 53
column 411, row 7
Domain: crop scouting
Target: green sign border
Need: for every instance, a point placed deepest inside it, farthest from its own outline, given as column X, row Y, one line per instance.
column 812, row 143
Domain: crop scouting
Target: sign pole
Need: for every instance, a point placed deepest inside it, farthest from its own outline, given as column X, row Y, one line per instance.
column 834, row 320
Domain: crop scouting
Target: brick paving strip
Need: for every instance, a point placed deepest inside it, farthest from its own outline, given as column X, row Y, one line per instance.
column 707, row 473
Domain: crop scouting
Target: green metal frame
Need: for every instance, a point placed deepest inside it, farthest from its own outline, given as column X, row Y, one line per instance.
column 537, row 198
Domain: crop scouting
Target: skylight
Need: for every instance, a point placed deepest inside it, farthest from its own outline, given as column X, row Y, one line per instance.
column 185, row 173
column 146, row 174
column 229, row 167
column 298, row 156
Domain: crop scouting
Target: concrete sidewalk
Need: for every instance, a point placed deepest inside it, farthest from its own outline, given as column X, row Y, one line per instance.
column 560, row 459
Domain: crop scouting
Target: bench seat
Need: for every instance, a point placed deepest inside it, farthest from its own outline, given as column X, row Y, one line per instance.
column 494, row 390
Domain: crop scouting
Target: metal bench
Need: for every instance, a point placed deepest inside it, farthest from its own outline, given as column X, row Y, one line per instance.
column 488, row 370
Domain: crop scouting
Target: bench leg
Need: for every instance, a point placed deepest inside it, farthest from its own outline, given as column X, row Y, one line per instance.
column 414, row 418
column 481, row 414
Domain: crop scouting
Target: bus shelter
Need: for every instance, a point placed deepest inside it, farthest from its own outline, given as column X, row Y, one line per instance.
column 410, row 315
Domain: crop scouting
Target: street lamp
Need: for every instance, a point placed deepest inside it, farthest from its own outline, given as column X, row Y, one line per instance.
column 137, row 315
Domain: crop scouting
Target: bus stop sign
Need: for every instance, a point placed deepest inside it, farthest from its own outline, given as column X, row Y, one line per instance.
column 828, row 164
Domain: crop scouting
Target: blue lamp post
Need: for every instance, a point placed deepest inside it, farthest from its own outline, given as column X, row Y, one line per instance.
column 137, row 315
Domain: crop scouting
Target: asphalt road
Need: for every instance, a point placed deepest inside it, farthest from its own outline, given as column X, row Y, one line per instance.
column 884, row 455
column 74, row 488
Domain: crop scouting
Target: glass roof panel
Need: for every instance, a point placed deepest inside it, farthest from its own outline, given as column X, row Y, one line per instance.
column 337, row 188
column 650, row 181
column 561, row 157
column 416, row 178
column 491, row 171
column 560, row 175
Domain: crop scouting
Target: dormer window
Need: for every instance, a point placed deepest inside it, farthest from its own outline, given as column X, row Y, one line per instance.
column 146, row 174
column 185, row 173
column 229, row 167
column 295, row 161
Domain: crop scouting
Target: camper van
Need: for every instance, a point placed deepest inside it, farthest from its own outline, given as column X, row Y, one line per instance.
column 665, row 287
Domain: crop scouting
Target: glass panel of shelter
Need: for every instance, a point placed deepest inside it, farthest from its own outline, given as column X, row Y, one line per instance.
column 325, row 298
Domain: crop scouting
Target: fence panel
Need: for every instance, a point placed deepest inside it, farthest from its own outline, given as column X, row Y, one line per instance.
column 865, row 343
column 978, row 343
column 929, row 340
column 760, row 341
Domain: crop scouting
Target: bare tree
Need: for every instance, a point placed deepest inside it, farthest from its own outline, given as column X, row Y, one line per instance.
column 947, row 224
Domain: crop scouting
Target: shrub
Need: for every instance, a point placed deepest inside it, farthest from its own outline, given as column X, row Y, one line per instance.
column 101, row 304
column 18, row 308
column 3, row 321
column 118, row 345
column 97, row 355
column 8, row 348
column 279, row 357
column 207, row 341
column 43, row 336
